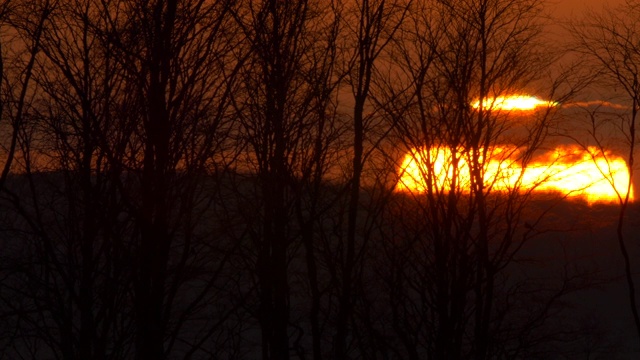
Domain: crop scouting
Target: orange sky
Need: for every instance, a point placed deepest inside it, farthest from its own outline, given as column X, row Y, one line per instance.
column 570, row 8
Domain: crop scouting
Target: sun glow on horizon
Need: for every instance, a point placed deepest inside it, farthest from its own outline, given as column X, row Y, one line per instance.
column 586, row 174
column 513, row 102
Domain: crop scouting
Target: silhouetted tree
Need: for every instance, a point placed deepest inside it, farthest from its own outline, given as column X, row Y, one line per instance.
column 217, row 179
column 176, row 57
column 609, row 44
column 370, row 26
column 287, row 116
column 453, row 245
column 130, row 126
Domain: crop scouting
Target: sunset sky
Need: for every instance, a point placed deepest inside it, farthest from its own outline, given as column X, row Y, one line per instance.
column 568, row 8
column 318, row 180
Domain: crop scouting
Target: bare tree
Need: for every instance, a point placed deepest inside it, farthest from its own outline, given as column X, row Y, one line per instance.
column 176, row 58
column 131, row 121
column 24, row 24
column 371, row 26
column 462, row 234
column 288, row 121
column 82, row 288
column 608, row 41
column 205, row 179
column 274, row 31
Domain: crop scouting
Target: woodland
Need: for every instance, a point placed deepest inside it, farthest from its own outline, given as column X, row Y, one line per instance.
column 221, row 179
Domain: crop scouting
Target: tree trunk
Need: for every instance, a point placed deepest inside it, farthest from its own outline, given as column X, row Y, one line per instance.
column 155, row 241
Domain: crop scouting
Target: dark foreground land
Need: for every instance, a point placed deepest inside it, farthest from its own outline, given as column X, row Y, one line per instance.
column 562, row 295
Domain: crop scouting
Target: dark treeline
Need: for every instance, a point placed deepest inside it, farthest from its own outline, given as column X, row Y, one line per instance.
column 204, row 179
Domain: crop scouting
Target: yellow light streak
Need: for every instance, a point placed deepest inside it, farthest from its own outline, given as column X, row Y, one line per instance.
column 587, row 174
column 513, row 102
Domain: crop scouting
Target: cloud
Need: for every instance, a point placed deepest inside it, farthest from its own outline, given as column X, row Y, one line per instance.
column 596, row 103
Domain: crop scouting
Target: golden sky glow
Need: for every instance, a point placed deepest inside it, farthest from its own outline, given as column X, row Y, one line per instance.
column 575, row 172
column 513, row 102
